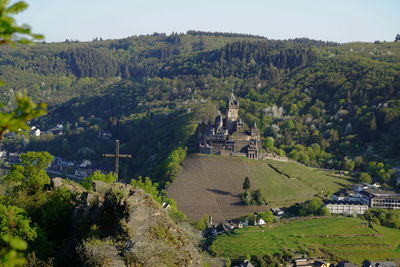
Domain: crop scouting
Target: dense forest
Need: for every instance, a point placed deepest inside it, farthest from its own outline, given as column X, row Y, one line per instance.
column 321, row 103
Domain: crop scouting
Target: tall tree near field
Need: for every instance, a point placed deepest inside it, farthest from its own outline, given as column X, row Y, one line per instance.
column 246, row 184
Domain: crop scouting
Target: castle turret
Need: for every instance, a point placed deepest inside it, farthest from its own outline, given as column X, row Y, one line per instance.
column 232, row 112
column 255, row 132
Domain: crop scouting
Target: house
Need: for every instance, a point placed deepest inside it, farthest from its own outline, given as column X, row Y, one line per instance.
column 259, row 221
column 346, row 207
column 35, row 132
column 165, row 206
column 104, row 135
column 277, row 212
column 303, row 262
column 85, row 163
column 3, row 154
column 310, row 263
column 382, row 199
column 346, row 264
column 82, row 173
column 379, row 264
column 60, row 163
column 320, row 263
column 246, row 263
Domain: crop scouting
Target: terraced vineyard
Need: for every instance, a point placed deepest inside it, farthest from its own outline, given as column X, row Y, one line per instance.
column 211, row 185
column 345, row 238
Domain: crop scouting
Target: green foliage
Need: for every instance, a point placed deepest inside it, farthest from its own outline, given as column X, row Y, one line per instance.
column 313, row 207
column 173, row 163
column 11, row 249
column 348, row 165
column 379, row 171
column 246, row 184
column 98, row 176
column 384, row 217
column 269, row 143
column 254, row 197
column 25, row 110
column 267, row 216
column 313, row 235
column 365, row 178
column 15, row 222
column 31, row 173
column 201, row 224
column 10, row 32
column 149, row 187
column 160, row 196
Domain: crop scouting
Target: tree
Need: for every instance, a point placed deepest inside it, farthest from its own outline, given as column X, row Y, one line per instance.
column 246, row 184
column 98, row 176
column 348, row 165
column 365, row 178
column 31, row 173
column 267, row 216
column 269, row 143
column 10, row 32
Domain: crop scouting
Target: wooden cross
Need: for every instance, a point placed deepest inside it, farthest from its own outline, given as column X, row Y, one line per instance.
column 117, row 156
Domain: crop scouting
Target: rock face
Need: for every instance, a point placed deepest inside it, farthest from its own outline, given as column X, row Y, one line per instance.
column 119, row 225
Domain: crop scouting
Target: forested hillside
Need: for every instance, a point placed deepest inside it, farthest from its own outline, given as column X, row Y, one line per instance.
column 321, row 103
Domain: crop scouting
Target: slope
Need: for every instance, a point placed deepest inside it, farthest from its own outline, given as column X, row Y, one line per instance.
column 212, row 185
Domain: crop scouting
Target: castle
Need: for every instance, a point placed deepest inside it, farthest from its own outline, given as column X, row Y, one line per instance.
column 229, row 136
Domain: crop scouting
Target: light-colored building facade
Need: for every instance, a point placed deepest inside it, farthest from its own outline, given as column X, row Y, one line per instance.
column 346, row 207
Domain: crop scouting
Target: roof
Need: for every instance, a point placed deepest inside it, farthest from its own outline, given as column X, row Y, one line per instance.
column 246, row 263
column 346, row 264
column 380, row 193
column 345, row 193
column 343, row 202
column 379, row 264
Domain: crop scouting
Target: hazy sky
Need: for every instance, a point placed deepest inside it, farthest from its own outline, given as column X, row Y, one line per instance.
column 333, row 20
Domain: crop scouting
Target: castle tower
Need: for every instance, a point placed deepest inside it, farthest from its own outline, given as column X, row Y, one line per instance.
column 255, row 132
column 232, row 112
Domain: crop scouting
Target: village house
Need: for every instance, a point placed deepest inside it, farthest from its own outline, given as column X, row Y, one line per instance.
column 229, row 135
column 104, row 135
column 379, row 264
column 85, row 163
column 35, row 131
column 346, row 264
column 83, row 172
column 59, row 163
column 302, row 262
column 277, row 212
column 245, row 263
column 3, row 154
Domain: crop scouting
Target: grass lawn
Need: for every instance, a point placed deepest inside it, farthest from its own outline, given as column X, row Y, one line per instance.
column 346, row 238
column 303, row 183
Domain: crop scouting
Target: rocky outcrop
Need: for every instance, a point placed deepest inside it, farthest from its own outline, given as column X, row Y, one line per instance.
column 119, row 225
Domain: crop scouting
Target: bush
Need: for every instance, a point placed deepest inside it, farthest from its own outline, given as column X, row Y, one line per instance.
column 314, row 207
column 254, row 197
column 388, row 218
column 109, row 178
column 202, row 223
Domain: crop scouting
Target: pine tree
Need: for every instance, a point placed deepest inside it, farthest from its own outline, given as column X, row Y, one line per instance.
column 246, row 184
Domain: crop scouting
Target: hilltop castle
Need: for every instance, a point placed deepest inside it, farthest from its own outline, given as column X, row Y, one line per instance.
column 229, row 135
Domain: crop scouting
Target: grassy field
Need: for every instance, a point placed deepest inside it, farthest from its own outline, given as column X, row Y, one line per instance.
column 211, row 185
column 346, row 238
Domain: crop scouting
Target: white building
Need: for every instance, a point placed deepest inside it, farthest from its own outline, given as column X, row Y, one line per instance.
column 346, row 207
